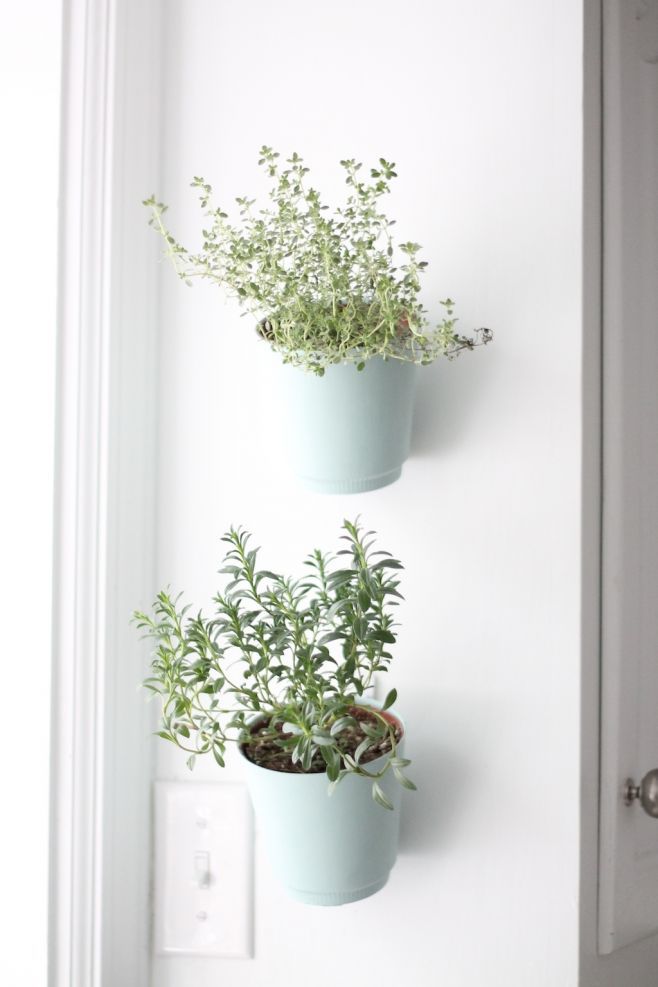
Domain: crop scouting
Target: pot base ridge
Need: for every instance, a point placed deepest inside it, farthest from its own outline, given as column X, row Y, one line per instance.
column 336, row 897
column 358, row 485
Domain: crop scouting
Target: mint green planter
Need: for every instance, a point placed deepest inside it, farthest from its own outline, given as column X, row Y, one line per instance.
column 349, row 431
column 326, row 850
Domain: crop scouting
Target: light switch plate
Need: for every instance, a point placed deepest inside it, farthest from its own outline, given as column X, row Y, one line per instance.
column 203, row 869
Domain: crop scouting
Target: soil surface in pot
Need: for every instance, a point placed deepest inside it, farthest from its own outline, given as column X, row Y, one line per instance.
column 266, row 753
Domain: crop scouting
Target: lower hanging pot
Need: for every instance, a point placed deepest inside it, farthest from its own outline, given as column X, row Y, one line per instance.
column 326, row 849
column 349, row 431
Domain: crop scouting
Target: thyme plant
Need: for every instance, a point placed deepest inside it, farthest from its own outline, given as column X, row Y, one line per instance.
column 296, row 656
column 325, row 287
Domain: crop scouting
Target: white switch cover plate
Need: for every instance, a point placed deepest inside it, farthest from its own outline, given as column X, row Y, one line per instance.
column 203, row 870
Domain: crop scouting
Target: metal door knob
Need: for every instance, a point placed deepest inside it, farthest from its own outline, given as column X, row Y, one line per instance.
column 646, row 792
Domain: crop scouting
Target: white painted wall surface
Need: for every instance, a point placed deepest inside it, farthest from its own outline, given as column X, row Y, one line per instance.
column 30, row 42
column 480, row 106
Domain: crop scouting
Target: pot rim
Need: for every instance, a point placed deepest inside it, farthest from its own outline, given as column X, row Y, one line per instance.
column 376, row 703
column 349, row 359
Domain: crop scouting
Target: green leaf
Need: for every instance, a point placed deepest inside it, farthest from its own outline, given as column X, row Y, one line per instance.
column 341, row 723
column 334, row 636
column 372, row 731
column 299, row 651
column 332, row 760
column 335, row 782
column 403, row 780
column 386, row 564
column 362, row 748
column 336, row 608
column 307, row 757
column 322, row 739
column 333, row 772
column 380, row 796
column 384, row 636
column 390, row 699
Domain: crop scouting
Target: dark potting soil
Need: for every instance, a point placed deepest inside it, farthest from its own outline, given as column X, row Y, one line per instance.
column 266, row 753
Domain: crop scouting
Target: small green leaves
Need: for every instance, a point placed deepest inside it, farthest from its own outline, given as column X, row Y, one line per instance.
column 364, row 746
column 387, row 564
column 390, row 699
column 341, row 724
column 403, row 780
column 335, row 782
column 322, row 739
column 380, row 634
column 373, row 732
column 332, row 760
column 330, row 284
column 289, row 658
column 380, row 796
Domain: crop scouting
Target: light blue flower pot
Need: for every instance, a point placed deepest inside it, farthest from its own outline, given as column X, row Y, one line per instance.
column 326, row 849
column 349, row 431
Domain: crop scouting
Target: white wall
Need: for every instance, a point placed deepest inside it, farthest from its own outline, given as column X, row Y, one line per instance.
column 480, row 106
column 29, row 109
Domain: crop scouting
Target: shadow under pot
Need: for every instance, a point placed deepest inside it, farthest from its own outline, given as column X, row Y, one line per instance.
column 349, row 431
column 327, row 849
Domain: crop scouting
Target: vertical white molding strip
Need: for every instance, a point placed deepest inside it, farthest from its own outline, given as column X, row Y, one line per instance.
column 628, row 899
column 81, row 442
column 104, row 498
column 591, row 476
column 131, row 514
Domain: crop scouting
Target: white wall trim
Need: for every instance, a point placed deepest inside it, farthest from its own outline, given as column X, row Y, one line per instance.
column 80, row 505
column 628, row 904
column 592, row 488
column 104, row 496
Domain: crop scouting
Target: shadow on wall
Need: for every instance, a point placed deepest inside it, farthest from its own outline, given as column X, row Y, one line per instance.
column 443, row 778
column 453, row 765
column 450, row 396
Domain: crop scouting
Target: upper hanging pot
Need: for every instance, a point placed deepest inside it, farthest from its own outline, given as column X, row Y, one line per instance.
column 349, row 431
column 328, row 290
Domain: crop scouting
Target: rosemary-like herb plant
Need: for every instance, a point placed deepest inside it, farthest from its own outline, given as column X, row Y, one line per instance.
column 294, row 656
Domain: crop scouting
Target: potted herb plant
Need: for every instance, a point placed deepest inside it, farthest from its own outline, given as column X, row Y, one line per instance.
column 284, row 668
column 330, row 292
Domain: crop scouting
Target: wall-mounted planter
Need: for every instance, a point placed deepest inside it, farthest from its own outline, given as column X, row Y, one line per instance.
column 326, row 849
column 327, row 286
column 349, row 431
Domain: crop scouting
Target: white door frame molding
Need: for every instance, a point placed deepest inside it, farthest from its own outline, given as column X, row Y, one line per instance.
column 603, row 714
column 628, row 904
column 104, row 501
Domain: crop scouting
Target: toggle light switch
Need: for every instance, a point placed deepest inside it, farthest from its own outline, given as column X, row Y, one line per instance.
column 203, row 869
